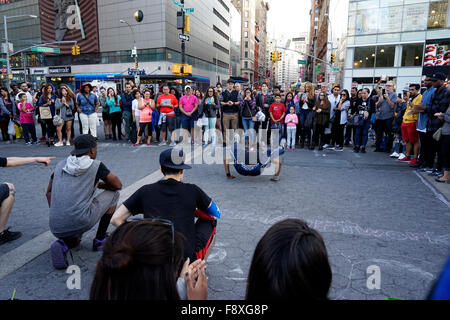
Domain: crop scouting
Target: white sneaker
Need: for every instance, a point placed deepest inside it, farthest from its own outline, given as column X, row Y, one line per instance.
column 162, row 143
column 394, row 155
column 401, row 156
column 68, row 143
column 172, row 144
column 326, row 146
column 58, row 144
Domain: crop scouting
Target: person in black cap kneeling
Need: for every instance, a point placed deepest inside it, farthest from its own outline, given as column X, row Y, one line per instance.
column 74, row 208
column 178, row 202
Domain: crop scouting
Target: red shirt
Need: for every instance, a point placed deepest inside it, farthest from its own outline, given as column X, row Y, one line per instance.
column 167, row 103
column 277, row 110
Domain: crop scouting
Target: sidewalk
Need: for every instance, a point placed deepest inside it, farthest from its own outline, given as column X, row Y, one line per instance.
column 443, row 188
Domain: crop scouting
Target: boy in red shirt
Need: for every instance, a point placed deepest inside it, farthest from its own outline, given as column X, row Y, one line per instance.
column 277, row 112
column 166, row 104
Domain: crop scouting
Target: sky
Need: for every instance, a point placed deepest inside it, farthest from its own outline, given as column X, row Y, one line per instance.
column 291, row 17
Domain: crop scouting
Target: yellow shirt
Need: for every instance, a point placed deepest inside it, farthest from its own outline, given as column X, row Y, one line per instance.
column 411, row 118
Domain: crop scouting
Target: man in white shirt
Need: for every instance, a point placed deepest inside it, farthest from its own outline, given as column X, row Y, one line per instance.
column 24, row 89
column 334, row 99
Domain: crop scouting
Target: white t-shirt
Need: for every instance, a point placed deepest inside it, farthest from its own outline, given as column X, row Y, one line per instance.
column 134, row 107
column 29, row 97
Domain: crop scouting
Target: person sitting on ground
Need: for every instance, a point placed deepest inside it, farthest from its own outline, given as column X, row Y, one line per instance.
column 7, row 193
column 74, row 208
column 141, row 261
column 290, row 263
column 178, row 202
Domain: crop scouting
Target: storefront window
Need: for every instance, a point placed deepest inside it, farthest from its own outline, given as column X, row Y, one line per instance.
column 364, row 57
column 390, row 19
column 385, row 56
column 412, row 55
column 438, row 14
column 415, row 17
column 366, row 21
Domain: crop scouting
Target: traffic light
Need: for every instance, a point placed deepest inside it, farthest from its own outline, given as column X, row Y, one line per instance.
column 333, row 58
column 279, row 57
column 272, row 56
column 75, row 50
column 187, row 25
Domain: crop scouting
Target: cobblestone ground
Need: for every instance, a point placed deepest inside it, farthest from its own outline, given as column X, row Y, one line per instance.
column 371, row 211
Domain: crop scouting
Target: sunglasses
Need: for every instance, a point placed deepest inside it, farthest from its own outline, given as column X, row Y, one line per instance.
column 166, row 223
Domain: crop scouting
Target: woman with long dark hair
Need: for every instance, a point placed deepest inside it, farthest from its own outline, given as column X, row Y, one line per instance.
column 248, row 111
column 48, row 99
column 341, row 118
column 290, row 263
column 304, row 106
column 115, row 112
column 65, row 104
column 141, row 261
column 322, row 109
column 7, row 112
column 209, row 107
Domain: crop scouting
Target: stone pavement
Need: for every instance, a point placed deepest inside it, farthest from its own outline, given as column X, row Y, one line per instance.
column 370, row 210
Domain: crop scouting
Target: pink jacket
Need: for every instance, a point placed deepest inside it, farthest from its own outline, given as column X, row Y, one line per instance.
column 289, row 118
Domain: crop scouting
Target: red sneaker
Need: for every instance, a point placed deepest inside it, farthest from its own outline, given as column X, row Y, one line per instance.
column 405, row 159
column 413, row 161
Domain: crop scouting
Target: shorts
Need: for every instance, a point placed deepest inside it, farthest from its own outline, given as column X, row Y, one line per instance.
column 106, row 116
column 187, row 122
column 4, row 192
column 99, row 206
column 143, row 126
column 410, row 133
column 169, row 124
column 205, row 230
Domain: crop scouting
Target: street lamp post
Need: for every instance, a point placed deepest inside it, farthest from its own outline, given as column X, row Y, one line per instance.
column 5, row 23
column 326, row 15
column 134, row 52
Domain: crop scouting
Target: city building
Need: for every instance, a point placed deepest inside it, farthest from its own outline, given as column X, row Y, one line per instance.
column 253, row 35
column 301, row 46
column 398, row 39
column 288, row 69
column 105, row 40
column 260, row 41
column 235, row 41
column 318, row 41
column 271, row 65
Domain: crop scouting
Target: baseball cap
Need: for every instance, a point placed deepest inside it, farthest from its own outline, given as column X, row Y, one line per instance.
column 173, row 158
column 83, row 144
column 438, row 76
column 187, row 86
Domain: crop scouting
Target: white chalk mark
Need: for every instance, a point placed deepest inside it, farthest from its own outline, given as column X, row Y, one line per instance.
column 218, row 255
column 237, row 270
column 236, row 279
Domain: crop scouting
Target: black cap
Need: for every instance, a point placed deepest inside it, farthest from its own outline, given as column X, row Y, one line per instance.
column 438, row 76
column 83, row 144
column 173, row 158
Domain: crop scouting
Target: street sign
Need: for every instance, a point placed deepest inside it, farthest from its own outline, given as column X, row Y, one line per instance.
column 177, row 3
column 301, row 61
column 335, row 69
column 188, row 10
column 46, row 49
column 184, row 37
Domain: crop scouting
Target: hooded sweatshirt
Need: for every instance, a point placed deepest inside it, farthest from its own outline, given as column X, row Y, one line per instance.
column 74, row 185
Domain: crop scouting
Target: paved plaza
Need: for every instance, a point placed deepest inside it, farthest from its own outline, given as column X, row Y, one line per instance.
column 371, row 211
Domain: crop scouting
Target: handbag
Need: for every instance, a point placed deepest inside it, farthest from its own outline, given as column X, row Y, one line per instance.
column 57, row 120
column 438, row 134
column 18, row 130
column 250, row 112
column 11, row 128
column 45, row 113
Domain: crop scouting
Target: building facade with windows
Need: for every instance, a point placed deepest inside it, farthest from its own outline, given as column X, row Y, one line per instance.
column 401, row 39
column 104, row 40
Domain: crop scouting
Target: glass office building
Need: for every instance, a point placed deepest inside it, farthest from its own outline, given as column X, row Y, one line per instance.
column 396, row 38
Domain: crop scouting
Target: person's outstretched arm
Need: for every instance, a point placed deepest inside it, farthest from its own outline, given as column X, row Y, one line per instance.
column 18, row 161
column 120, row 216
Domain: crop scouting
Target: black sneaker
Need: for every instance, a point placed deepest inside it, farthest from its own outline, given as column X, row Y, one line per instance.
column 7, row 236
column 363, row 150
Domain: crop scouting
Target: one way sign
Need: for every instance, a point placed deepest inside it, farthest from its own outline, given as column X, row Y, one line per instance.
column 184, row 37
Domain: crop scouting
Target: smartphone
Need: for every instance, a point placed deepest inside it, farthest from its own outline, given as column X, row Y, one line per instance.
column 384, row 92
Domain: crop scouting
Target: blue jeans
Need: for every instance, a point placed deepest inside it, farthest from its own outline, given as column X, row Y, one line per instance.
column 362, row 134
column 291, row 136
column 248, row 124
column 210, row 127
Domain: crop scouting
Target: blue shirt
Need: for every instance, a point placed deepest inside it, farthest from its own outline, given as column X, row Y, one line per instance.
column 112, row 104
column 127, row 101
column 427, row 97
column 87, row 105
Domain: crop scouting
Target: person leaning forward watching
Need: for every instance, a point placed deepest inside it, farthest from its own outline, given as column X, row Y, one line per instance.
column 7, row 192
column 74, row 208
column 178, row 202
